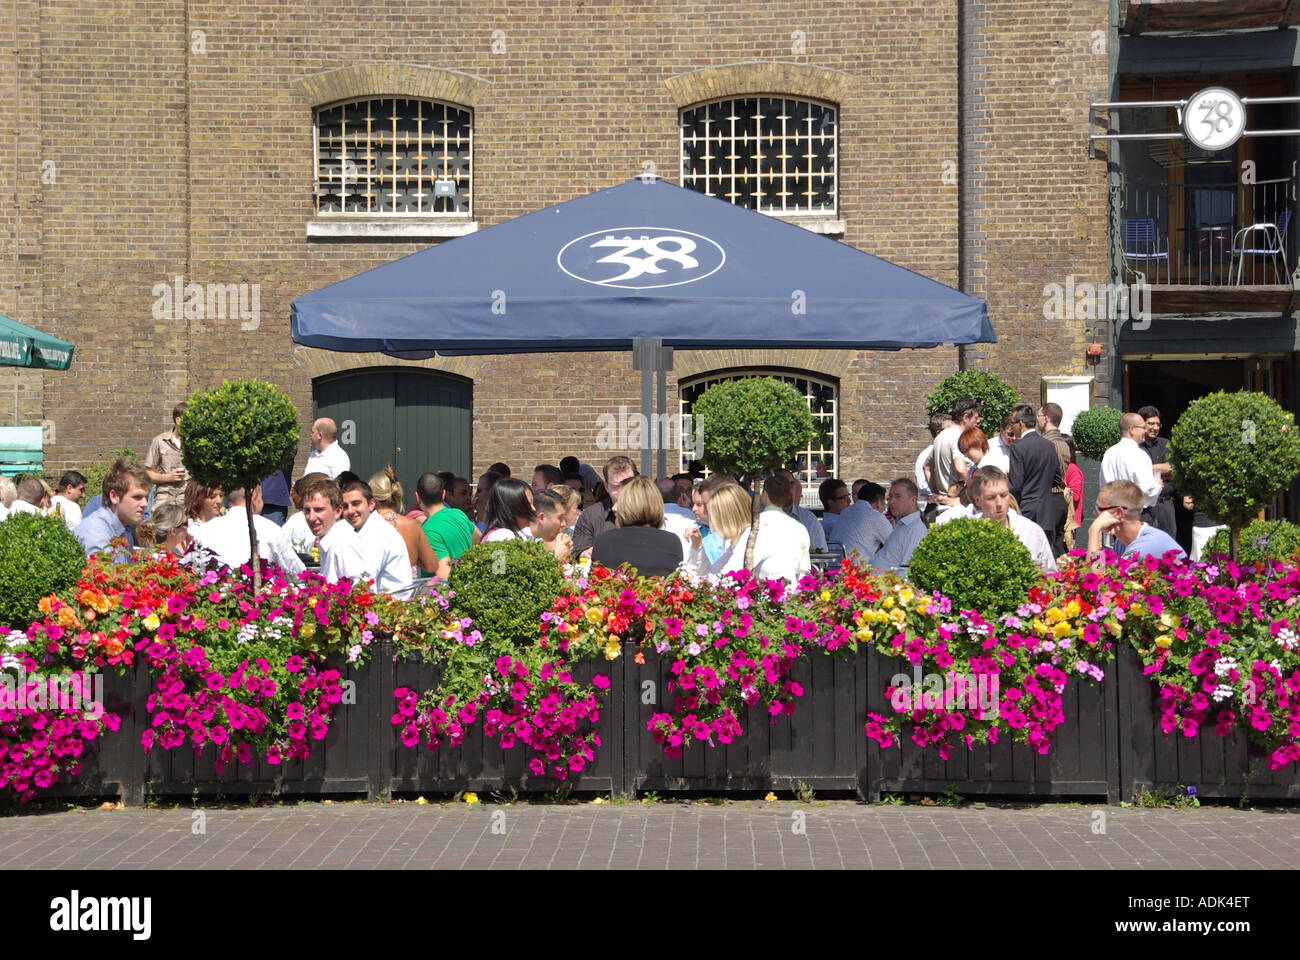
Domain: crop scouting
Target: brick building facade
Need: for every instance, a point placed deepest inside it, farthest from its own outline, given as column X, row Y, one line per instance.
column 160, row 139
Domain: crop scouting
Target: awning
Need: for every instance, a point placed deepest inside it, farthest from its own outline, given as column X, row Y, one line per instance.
column 24, row 346
column 645, row 260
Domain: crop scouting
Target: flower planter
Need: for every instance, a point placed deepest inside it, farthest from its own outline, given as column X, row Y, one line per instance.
column 479, row 763
column 821, row 744
column 1082, row 761
column 1229, row 767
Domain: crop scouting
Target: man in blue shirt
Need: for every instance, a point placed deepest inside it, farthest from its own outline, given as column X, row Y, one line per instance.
column 1119, row 511
column 908, row 531
column 124, row 498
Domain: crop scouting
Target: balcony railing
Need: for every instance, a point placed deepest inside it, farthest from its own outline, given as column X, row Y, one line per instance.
column 1208, row 233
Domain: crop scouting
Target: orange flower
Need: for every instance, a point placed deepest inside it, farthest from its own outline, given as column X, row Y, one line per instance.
column 113, row 647
column 47, row 604
column 67, row 619
column 639, row 658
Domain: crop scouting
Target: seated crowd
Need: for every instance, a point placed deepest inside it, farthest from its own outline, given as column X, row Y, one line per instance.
column 1024, row 478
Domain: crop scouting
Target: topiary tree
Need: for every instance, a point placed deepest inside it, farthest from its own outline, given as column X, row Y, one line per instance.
column 1234, row 452
column 994, row 395
column 1261, row 540
column 977, row 564
column 233, row 436
column 38, row 556
column 1095, row 431
column 752, row 427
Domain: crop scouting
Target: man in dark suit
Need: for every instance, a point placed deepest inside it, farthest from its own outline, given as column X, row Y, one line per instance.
column 1035, row 473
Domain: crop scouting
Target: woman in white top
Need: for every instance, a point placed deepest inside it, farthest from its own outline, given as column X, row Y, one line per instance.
column 780, row 552
column 201, row 505
column 509, row 511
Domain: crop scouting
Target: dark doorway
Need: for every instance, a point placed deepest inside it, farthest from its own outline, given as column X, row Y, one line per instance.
column 416, row 420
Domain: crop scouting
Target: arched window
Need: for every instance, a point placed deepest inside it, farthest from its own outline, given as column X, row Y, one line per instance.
column 772, row 154
column 394, row 155
column 817, row 461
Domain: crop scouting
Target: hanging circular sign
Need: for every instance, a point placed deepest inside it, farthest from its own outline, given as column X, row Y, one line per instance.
column 1214, row 118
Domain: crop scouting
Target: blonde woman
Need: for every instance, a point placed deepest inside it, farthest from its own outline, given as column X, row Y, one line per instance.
column 388, row 501
column 171, row 529
column 781, row 547
column 638, row 539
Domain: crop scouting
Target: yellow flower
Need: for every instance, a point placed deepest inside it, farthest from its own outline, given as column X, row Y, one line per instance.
column 1136, row 608
column 599, row 800
column 1073, row 609
column 421, row 801
column 906, row 595
column 1166, row 621
column 308, row 629
column 1164, row 641
column 151, row 622
column 771, row 797
column 887, row 602
column 825, row 594
column 611, row 648
column 865, row 634
column 1055, row 615
column 595, row 615
column 471, row 798
column 1061, row 630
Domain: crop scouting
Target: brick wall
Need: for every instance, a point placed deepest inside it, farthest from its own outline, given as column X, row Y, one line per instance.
column 173, row 162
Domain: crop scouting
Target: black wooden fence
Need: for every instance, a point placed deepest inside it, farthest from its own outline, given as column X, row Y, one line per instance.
column 1110, row 746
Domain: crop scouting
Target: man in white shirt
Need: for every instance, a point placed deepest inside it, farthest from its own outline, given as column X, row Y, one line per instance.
column 944, row 473
column 781, row 549
column 677, row 519
column 1127, row 460
column 816, row 535
column 72, row 487
column 863, row 527
column 226, row 537
column 338, row 543
column 382, row 547
column 327, row 456
column 994, row 502
column 908, row 531
column 999, row 454
column 31, row 498
column 923, row 469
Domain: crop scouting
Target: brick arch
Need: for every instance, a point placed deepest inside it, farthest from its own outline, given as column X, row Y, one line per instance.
column 391, row 79
column 317, row 363
column 759, row 77
column 824, row 363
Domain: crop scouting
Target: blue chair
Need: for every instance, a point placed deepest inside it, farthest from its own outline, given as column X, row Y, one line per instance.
column 1142, row 241
column 1272, row 236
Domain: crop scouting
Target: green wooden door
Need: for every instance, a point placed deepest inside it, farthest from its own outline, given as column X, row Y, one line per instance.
column 415, row 420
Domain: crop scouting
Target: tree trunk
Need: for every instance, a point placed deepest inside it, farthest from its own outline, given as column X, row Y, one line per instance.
column 252, row 542
column 756, row 509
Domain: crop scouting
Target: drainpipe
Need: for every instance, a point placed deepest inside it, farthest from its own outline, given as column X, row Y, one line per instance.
column 970, row 128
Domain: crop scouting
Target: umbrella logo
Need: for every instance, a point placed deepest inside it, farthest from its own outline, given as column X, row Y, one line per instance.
column 641, row 258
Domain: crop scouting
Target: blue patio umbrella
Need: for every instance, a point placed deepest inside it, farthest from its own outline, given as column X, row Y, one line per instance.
column 644, row 260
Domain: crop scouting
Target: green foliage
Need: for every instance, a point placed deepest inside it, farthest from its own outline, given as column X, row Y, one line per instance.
column 1095, row 431
column 95, row 473
column 238, row 433
column 38, row 556
column 1261, row 540
column 505, row 588
column 752, row 426
column 994, row 395
column 1234, row 452
column 977, row 564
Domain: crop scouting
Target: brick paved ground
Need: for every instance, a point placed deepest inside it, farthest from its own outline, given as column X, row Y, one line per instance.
column 744, row 835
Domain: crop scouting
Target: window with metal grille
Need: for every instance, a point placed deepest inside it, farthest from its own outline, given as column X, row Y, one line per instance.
column 772, row 154
column 394, row 156
column 814, row 463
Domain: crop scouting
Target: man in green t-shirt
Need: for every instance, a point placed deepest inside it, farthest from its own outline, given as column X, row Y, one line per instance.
column 450, row 531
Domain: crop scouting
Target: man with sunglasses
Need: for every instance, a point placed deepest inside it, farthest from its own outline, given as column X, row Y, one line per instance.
column 1119, row 511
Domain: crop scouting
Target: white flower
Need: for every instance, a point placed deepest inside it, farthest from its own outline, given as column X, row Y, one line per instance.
column 693, row 649
column 16, row 638
column 1222, row 692
column 354, row 652
column 1223, row 665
